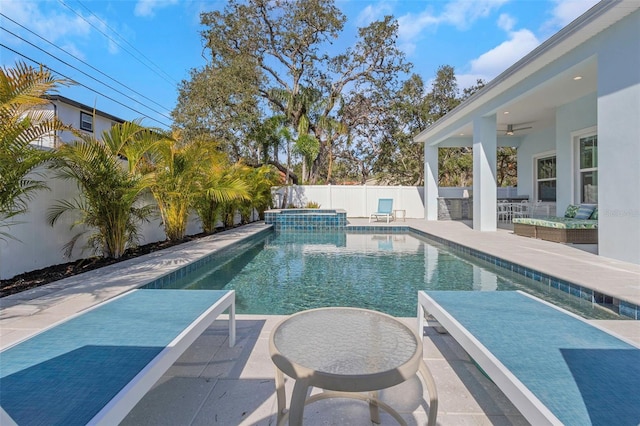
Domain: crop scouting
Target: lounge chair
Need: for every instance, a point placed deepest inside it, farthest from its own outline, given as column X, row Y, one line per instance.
column 385, row 210
column 95, row 367
column 554, row 366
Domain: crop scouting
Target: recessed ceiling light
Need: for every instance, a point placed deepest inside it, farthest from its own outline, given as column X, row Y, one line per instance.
column 461, row 134
column 506, row 112
column 577, row 77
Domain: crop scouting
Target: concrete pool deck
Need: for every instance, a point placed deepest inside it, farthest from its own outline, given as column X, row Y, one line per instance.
column 212, row 383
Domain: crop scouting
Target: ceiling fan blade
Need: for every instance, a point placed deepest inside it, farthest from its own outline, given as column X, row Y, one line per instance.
column 511, row 129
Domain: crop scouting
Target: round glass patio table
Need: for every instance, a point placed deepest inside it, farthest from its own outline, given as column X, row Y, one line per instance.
column 344, row 351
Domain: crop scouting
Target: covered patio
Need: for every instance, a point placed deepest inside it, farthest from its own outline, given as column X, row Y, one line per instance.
column 571, row 109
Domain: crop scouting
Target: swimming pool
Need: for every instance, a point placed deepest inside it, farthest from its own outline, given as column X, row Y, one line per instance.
column 286, row 272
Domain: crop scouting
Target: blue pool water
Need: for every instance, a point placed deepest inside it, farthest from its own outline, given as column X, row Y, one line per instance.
column 284, row 273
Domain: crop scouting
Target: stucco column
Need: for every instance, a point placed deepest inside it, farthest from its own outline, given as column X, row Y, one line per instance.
column 619, row 144
column 484, row 173
column 430, row 182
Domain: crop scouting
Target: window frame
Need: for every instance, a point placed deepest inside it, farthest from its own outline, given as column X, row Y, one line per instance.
column 537, row 179
column 83, row 122
column 578, row 171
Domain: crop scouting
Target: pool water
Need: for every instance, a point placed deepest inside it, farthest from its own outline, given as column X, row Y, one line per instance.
column 287, row 272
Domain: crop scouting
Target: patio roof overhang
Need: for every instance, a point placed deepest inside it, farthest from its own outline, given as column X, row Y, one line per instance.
column 528, row 93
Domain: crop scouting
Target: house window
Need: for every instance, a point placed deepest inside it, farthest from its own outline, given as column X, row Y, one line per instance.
column 588, row 169
column 86, row 121
column 546, row 178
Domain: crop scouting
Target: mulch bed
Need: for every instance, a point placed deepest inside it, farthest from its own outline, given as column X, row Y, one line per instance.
column 33, row 279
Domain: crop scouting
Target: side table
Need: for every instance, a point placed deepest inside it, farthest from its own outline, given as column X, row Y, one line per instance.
column 396, row 211
column 345, row 350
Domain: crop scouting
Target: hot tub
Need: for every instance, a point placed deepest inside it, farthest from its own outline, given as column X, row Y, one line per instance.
column 306, row 219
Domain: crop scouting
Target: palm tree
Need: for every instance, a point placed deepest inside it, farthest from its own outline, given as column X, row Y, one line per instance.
column 176, row 181
column 21, row 90
column 190, row 177
column 222, row 185
column 110, row 205
column 260, row 182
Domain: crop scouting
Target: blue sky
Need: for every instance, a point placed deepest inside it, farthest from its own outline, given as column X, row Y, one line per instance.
column 130, row 55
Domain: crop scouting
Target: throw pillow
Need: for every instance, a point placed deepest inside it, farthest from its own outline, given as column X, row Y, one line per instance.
column 571, row 211
column 584, row 211
column 594, row 215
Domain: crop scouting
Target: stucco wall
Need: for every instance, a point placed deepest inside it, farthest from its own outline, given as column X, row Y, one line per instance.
column 571, row 118
column 532, row 145
column 619, row 141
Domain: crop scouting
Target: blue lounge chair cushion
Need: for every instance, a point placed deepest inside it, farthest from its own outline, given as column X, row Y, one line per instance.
column 68, row 373
column 582, row 374
column 584, row 211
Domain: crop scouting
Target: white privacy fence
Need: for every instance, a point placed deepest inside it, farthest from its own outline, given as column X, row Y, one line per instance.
column 362, row 200
column 358, row 201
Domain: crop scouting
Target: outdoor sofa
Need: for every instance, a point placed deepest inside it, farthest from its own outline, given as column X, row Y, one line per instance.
column 578, row 226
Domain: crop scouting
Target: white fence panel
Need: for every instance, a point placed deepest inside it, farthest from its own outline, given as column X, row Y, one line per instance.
column 358, row 201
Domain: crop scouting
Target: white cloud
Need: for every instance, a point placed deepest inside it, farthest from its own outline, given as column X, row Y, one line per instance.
column 55, row 25
column 499, row 58
column 458, row 13
column 565, row 11
column 520, row 42
column 147, row 8
column 410, row 27
column 51, row 24
column 506, row 22
column 493, row 62
column 374, row 12
column 462, row 13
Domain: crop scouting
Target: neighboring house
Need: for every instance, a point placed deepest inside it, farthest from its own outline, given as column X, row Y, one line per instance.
column 79, row 116
column 577, row 100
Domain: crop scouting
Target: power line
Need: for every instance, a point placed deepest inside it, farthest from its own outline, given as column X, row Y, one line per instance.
column 173, row 83
column 84, row 73
column 84, row 85
column 125, row 40
column 80, row 60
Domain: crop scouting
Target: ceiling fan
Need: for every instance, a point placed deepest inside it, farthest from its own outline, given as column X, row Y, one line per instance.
column 511, row 129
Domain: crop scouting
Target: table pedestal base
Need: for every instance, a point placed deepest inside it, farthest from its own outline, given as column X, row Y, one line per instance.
column 299, row 400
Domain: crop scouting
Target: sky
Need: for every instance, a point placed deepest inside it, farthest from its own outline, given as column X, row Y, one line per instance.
column 129, row 56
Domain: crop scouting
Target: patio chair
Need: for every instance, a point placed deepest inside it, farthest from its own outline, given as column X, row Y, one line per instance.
column 385, row 209
column 522, row 209
column 503, row 212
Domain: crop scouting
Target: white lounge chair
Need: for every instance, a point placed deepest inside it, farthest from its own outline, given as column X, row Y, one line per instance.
column 95, row 367
column 385, row 210
column 554, row 366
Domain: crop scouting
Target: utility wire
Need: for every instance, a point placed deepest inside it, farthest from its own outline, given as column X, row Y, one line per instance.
column 80, row 60
column 125, row 40
column 93, row 78
column 173, row 83
column 84, row 73
column 84, row 85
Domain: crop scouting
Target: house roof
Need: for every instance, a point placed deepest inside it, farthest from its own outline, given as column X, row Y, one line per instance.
column 530, row 93
column 83, row 107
